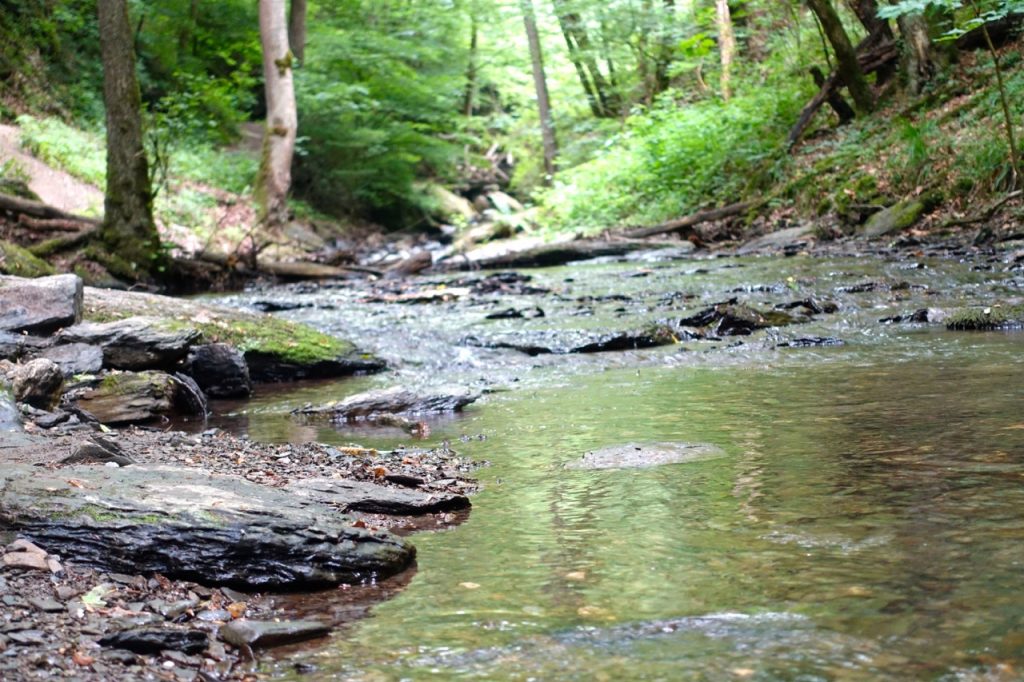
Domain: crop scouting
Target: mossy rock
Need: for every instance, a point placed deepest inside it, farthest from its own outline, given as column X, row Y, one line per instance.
column 990, row 318
column 275, row 349
column 14, row 260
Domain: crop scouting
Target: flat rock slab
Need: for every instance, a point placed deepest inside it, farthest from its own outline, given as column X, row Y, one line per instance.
column 780, row 239
column 261, row 634
column 561, row 342
column 395, row 401
column 643, row 455
column 40, row 305
column 368, row 497
column 191, row 525
column 74, row 358
column 134, row 343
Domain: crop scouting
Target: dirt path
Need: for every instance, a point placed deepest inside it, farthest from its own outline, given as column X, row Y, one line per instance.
column 54, row 187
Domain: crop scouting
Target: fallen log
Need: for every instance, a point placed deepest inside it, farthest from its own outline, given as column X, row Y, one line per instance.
column 692, row 220
column 37, row 209
column 545, row 255
column 871, row 60
column 1001, row 31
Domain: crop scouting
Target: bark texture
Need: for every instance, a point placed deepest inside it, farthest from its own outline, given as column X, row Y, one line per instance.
column 918, row 63
column 282, row 120
column 297, row 29
column 128, row 230
column 846, row 57
column 726, row 45
column 541, row 85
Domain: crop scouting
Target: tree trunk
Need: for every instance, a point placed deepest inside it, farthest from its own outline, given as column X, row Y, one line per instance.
column 848, row 67
column 128, row 230
column 582, row 55
column 297, row 29
column 469, row 97
column 726, row 45
column 541, row 85
column 918, row 63
column 282, row 120
column 878, row 31
column 666, row 47
column 581, row 71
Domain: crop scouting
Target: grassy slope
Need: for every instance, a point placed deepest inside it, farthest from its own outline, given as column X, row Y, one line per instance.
column 949, row 144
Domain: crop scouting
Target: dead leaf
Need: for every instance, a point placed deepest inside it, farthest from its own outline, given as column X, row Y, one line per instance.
column 470, row 586
column 81, row 658
column 236, row 609
column 576, row 575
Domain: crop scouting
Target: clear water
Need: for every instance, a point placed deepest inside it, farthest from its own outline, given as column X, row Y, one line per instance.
column 867, row 522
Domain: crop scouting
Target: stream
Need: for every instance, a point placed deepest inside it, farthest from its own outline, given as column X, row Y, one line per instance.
column 863, row 519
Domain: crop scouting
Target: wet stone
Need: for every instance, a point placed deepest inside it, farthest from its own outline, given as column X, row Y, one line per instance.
column 371, row 498
column 46, row 604
column 264, row 634
column 153, row 641
column 393, row 401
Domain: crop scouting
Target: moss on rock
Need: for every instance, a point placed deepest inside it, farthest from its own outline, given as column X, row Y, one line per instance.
column 14, row 260
column 995, row 317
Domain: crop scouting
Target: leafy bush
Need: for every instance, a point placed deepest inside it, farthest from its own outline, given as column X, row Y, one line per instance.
column 672, row 161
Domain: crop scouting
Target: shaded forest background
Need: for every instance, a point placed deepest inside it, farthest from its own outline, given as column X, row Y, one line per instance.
column 659, row 108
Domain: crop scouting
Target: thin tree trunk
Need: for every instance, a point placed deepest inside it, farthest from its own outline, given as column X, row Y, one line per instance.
column 666, row 47
column 726, row 45
column 581, row 71
column 469, row 97
column 297, row 29
column 128, row 230
column 846, row 57
column 1003, row 100
column 582, row 55
column 541, row 85
column 282, row 120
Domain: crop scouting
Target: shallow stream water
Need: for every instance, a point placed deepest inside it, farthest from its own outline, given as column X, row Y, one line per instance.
column 866, row 520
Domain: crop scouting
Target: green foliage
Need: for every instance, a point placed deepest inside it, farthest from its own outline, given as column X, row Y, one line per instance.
column 379, row 89
column 672, row 161
column 81, row 153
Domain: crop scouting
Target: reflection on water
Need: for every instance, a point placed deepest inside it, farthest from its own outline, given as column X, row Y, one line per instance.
column 866, row 521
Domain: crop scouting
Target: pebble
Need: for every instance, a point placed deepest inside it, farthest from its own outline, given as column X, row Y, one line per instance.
column 46, row 604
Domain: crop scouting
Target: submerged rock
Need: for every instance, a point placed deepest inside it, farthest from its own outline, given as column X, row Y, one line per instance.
column 393, row 401
column 261, row 634
column 135, row 343
column 642, row 455
column 191, row 525
column 731, row 318
column 367, row 497
column 560, row 342
column 40, row 306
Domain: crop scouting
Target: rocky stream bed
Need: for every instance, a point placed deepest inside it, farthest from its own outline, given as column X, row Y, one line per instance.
column 151, row 552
